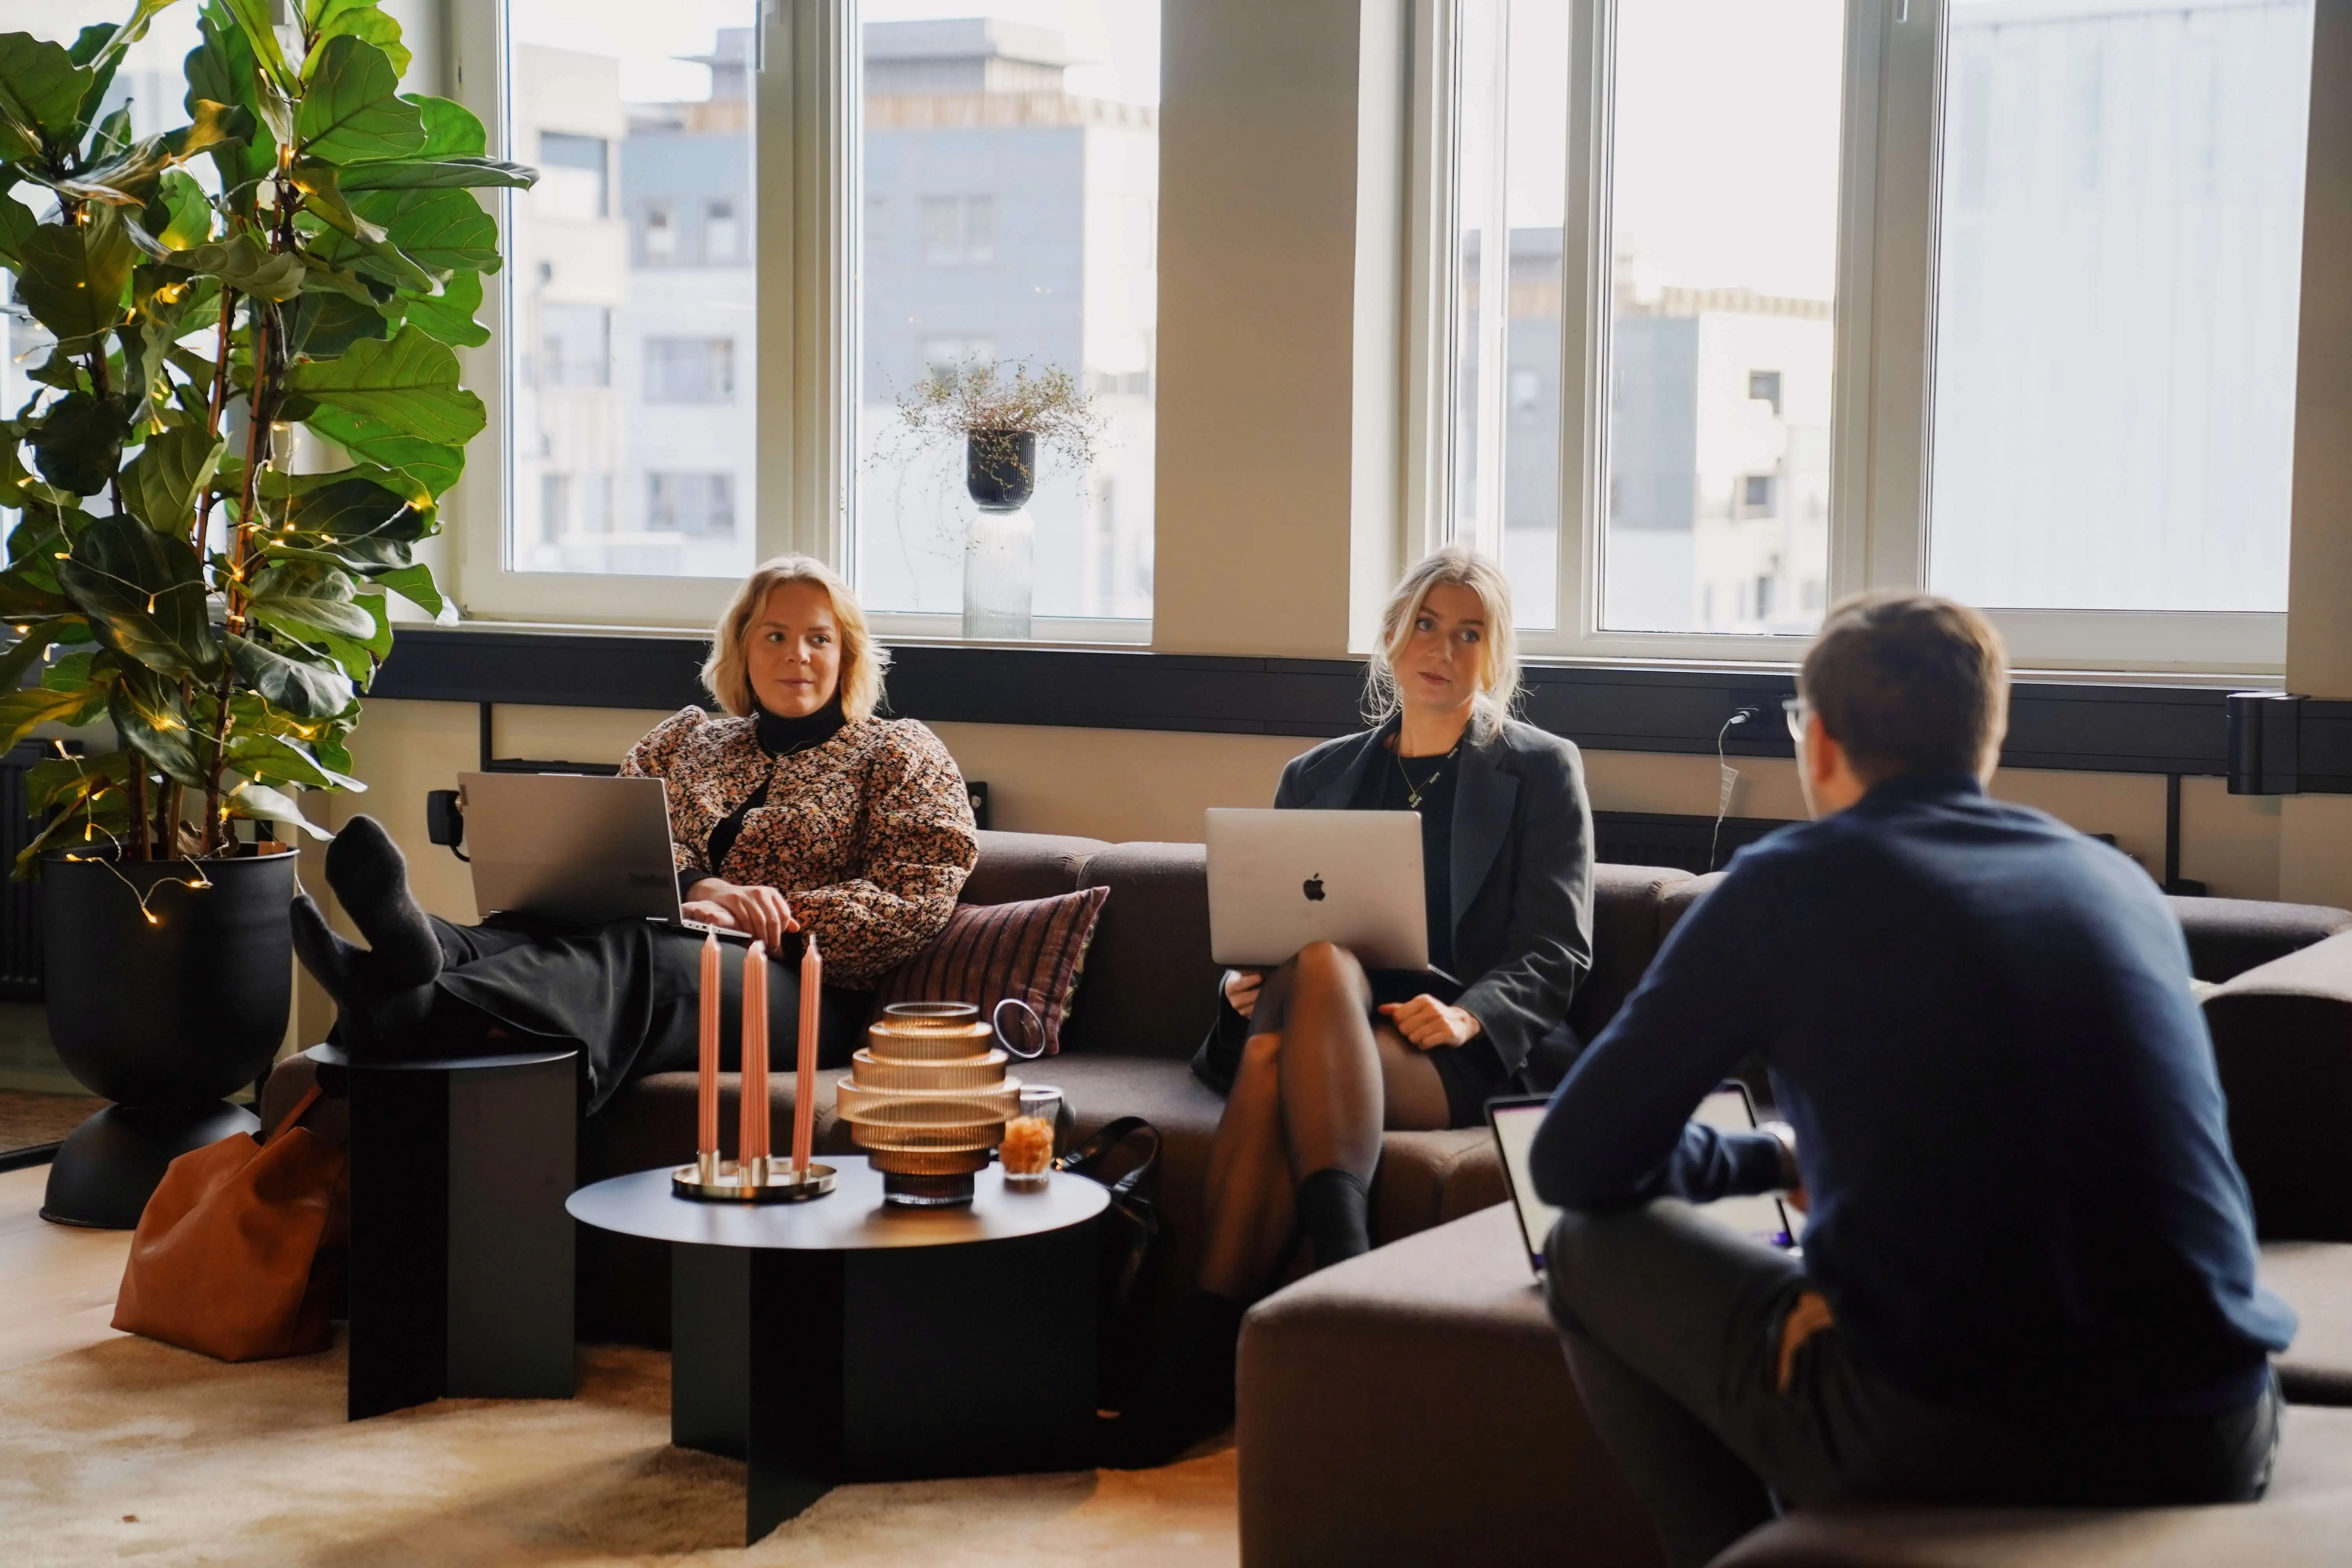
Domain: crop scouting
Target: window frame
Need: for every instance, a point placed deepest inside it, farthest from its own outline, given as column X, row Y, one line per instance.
column 1883, row 326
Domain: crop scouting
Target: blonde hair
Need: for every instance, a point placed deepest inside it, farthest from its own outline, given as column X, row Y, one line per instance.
column 862, row 660
column 1455, row 565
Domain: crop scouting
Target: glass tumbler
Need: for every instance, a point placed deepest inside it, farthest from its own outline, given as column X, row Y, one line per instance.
column 1027, row 1152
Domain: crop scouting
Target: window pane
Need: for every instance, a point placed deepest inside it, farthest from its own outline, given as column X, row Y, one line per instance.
column 630, row 272
column 1723, row 221
column 2121, row 220
column 1010, row 168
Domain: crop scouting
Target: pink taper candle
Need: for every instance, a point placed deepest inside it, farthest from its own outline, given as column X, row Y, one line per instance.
column 754, row 1137
column 706, row 1085
column 804, row 1081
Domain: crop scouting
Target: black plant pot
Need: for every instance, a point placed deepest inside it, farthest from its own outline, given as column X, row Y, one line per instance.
column 1000, row 468
column 164, row 1010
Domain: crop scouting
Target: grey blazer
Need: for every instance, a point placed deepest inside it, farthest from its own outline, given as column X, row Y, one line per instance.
column 1522, row 880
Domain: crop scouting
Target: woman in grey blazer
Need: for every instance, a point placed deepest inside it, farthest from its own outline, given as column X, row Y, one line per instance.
column 1318, row 1058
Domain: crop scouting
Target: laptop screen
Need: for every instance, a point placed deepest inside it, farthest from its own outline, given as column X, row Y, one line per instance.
column 1515, row 1121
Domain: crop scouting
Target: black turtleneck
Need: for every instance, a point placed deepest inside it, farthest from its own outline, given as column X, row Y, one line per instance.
column 778, row 737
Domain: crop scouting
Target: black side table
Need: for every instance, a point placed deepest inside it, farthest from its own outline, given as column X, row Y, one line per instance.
column 840, row 1340
column 460, row 1249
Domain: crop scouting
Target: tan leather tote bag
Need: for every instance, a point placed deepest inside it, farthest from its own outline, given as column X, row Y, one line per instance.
column 229, row 1256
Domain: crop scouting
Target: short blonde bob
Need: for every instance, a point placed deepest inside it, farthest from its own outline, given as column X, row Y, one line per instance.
column 1460, row 566
column 725, row 674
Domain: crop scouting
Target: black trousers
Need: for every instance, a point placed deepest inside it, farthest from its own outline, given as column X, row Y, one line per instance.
column 629, row 993
column 1673, row 1328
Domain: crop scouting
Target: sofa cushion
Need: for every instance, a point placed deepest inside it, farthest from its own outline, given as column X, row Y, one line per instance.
column 2314, row 1277
column 1411, row 1405
column 2302, row 1523
column 1014, row 866
column 2282, row 1040
column 2229, row 936
column 1151, row 989
column 1625, row 936
column 1031, row 950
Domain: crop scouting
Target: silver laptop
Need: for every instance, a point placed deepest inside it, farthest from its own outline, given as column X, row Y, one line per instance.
column 571, row 848
column 1514, row 1120
column 1280, row 879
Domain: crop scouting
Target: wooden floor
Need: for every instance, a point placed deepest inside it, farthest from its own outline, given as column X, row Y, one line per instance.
column 57, row 1282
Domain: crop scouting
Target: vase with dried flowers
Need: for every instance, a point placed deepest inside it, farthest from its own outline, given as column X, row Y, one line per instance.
column 304, row 255
column 1003, row 421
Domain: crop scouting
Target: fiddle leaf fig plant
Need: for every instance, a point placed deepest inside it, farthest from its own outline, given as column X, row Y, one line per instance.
column 307, row 250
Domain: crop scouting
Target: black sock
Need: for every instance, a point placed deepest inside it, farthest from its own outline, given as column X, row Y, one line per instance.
column 1335, row 1211
column 370, row 875
column 375, row 1017
column 1189, row 1392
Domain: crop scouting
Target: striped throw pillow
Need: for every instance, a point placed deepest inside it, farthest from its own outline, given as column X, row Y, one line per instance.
column 1033, row 951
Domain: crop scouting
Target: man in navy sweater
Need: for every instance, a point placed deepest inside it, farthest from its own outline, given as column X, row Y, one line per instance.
column 2028, row 1274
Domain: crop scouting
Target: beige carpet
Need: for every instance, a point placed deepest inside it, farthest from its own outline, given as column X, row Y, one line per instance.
column 125, row 1450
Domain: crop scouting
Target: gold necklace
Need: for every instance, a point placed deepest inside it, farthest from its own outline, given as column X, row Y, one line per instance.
column 1414, row 793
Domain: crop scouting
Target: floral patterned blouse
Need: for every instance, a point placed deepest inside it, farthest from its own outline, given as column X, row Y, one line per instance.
column 869, row 835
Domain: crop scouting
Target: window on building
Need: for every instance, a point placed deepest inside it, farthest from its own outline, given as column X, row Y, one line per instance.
column 640, row 119
column 1756, row 493
column 1764, row 386
column 723, row 236
column 959, row 231
column 2115, row 346
column 1010, row 173
column 571, row 176
column 689, row 370
column 702, row 505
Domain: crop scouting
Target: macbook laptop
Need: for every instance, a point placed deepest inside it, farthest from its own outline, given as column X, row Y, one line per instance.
column 574, row 849
column 1281, row 879
column 1514, row 1120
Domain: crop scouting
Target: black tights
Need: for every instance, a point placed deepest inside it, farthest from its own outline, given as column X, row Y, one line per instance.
column 1320, row 1078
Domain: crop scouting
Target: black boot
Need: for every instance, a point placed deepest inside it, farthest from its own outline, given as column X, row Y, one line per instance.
column 1335, row 1211
column 375, row 1019
column 1189, row 1392
column 369, row 875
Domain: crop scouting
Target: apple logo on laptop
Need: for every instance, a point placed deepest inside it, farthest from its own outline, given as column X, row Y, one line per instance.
column 1313, row 889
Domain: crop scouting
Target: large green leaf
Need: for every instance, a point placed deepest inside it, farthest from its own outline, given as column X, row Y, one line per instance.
column 415, row 585
column 321, row 182
column 407, row 386
column 359, row 19
column 326, row 325
column 449, row 315
column 283, row 760
column 40, row 94
column 359, row 508
column 240, row 262
column 301, row 599
column 36, row 639
column 128, row 179
column 254, row 21
column 88, row 677
column 441, row 231
column 146, row 710
column 369, row 441
column 440, row 173
column 179, row 217
column 160, row 483
column 264, row 804
column 89, row 48
column 78, row 442
column 20, row 710
column 306, row 690
column 363, row 244
column 17, row 225
column 145, row 594
column 451, row 130
column 352, row 111
column 73, row 276
column 221, row 68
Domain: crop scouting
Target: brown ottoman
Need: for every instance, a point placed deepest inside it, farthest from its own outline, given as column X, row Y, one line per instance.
column 2304, row 1522
column 1411, row 1405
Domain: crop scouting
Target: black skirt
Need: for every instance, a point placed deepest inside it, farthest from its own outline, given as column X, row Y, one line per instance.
column 629, row 995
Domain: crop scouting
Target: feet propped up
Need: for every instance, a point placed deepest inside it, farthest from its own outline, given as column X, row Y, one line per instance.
column 383, row 991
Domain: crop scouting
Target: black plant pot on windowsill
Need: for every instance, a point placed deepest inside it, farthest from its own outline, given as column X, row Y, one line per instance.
column 1001, row 468
column 165, row 1008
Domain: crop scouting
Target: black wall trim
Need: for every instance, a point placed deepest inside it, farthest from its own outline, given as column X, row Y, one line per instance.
column 2074, row 726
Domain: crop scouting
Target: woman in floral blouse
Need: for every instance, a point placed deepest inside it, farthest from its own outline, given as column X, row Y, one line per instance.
column 799, row 810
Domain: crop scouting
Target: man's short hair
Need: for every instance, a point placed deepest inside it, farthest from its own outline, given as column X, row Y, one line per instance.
column 1909, row 683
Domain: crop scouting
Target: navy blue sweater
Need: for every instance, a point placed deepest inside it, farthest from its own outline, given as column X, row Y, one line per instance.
column 2007, row 1120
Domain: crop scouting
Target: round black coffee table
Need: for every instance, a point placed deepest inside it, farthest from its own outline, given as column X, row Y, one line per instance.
column 845, row 1339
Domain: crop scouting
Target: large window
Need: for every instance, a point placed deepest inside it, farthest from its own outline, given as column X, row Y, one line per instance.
column 1010, row 170
column 631, row 429
column 1754, row 303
